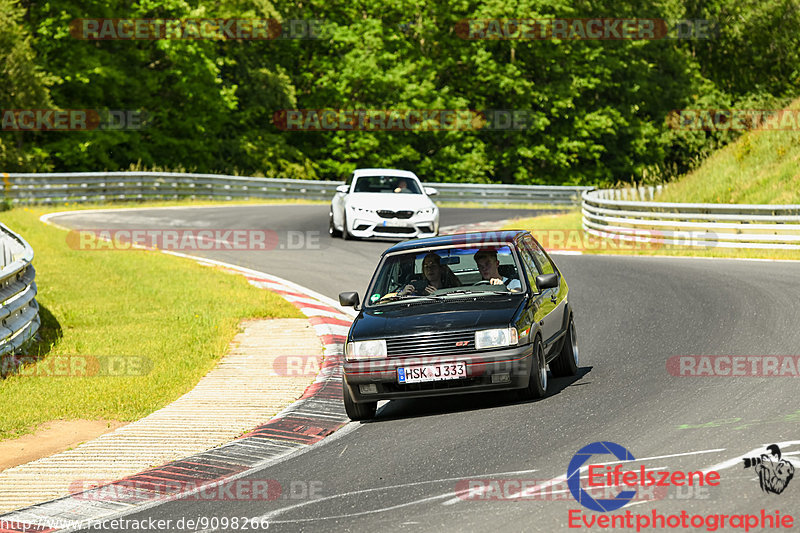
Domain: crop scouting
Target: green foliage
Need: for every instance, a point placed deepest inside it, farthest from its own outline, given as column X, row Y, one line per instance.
column 23, row 85
column 597, row 108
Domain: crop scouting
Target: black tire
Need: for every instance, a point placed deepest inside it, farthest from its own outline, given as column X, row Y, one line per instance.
column 357, row 411
column 346, row 234
column 332, row 231
column 566, row 364
column 537, row 384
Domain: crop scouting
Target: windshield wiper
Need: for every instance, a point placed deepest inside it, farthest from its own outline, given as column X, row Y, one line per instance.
column 462, row 291
column 397, row 297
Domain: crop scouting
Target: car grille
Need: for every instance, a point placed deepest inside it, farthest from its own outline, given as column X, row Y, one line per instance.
column 386, row 213
column 390, row 229
column 432, row 344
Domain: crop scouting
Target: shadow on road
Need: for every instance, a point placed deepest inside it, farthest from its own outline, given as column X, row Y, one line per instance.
column 437, row 405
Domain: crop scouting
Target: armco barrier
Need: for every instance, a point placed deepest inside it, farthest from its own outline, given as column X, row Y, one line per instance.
column 50, row 188
column 630, row 214
column 19, row 312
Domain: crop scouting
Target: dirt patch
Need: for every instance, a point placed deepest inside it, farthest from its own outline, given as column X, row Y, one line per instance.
column 52, row 437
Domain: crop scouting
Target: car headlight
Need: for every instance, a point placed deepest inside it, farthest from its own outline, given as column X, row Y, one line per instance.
column 357, row 209
column 428, row 211
column 375, row 349
column 495, row 338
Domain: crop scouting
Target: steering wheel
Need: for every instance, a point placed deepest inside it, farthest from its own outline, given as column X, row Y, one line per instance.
column 482, row 282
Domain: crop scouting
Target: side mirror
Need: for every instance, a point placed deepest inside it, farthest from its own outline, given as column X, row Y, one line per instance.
column 349, row 299
column 343, row 188
column 545, row 281
column 431, row 191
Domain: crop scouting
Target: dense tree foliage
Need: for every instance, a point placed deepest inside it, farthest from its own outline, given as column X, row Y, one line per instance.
column 595, row 110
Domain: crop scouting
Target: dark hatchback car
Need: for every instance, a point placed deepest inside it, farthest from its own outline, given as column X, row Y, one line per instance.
column 456, row 314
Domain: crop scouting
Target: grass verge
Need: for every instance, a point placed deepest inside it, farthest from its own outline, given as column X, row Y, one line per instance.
column 155, row 324
column 761, row 167
column 565, row 232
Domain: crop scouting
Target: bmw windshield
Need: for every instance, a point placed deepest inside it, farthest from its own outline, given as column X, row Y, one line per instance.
column 387, row 184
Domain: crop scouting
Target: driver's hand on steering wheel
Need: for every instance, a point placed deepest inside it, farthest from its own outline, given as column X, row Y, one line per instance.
column 430, row 289
column 495, row 281
column 408, row 289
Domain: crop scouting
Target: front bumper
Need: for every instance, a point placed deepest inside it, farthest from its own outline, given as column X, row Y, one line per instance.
column 516, row 362
column 365, row 225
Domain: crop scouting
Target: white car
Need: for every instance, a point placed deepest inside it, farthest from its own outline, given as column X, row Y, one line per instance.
column 381, row 202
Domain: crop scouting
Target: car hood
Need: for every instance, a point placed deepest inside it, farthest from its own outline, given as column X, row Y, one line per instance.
column 425, row 316
column 395, row 202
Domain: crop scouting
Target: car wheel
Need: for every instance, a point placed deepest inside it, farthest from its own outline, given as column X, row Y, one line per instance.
column 537, row 384
column 345, row 233
column 566, row 364
column 357, row 411
column 332, row 231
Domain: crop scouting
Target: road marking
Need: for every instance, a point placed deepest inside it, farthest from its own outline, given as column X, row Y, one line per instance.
column 563, row 479
column 283, row 510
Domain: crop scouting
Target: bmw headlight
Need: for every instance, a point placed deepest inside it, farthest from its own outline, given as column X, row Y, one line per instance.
column 428, row 211
column 495, row 338
column 375, row 349
column 358, row 209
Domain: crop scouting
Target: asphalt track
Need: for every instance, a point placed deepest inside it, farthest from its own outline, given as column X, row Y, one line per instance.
column 402, row 470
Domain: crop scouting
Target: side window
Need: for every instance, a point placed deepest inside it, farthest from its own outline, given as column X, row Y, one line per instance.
column 349, row 179
column 544, row 264
column 530, row 266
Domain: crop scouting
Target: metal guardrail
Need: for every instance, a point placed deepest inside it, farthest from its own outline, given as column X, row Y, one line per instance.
column 19, row 312
column 79, row 187
column 631, row 215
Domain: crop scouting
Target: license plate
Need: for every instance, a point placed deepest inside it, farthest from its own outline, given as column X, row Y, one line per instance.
column 396, row 223
column 439, row 372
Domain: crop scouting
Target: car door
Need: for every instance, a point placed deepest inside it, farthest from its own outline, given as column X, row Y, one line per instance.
column 337, row 203
column 536, row 311
column 552, row 302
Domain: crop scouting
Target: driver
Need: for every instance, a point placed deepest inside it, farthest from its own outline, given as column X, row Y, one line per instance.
column 402, row 186
column 437, row 276
column 488, row 267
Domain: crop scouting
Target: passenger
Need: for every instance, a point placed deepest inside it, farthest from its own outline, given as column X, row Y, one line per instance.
column 488, row 265
column 402, row 186
column 436, row 276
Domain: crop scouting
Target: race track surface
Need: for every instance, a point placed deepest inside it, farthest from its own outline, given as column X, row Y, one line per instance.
column 402, row 470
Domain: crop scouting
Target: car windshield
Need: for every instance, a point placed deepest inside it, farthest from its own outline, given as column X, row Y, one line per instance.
column 387, row 184
column 448, row 273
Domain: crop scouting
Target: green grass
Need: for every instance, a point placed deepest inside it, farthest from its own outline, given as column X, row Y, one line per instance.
column 761, row 167
column 176, row 316
column 565, row 232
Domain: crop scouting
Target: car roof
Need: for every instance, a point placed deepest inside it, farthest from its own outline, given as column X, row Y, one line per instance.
column 473, row 238
column 383, row 172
